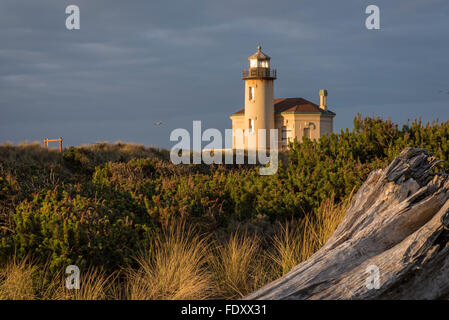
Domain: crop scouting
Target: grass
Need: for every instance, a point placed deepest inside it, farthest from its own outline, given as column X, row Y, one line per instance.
column 184, row 264
column 238, row 266
column 21, row 280
column 34, row 153
column 175, row 268
column 94, row 285
column 117, row 197
column 297, row 241
column 16, row 280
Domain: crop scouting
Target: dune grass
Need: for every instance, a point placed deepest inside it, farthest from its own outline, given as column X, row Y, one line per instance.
column 94, row 285
column 174, row 269
column 238, row 266
column 181, row 263
column 24, row 280
column 298, row 240
column 16, row 280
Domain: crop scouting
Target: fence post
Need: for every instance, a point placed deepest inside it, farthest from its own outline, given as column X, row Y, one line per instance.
column 46, row 141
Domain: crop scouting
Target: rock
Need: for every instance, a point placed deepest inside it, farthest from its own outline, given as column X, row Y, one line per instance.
column 397, row 223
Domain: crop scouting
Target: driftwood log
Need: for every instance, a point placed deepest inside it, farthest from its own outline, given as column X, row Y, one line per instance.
column 396, row 224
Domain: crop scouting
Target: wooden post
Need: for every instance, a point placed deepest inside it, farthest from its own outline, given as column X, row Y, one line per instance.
column 46, row 141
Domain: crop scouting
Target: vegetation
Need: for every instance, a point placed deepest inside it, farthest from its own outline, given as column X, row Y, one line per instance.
column 140, row 227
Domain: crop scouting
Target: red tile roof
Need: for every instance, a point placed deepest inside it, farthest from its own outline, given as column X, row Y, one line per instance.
column 299, row 105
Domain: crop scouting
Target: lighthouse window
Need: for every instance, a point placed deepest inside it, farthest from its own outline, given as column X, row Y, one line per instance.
column 251, row 125
column 264, row 64
column 251, row 93
column 253, row 63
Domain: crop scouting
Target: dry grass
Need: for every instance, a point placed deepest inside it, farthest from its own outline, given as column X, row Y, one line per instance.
column 238, row 266
column 185, row 265
column 94, row 285
column 298, row 241
column 174, row 270
column 323, row 224
column 27, row 153
column 120, row 151
column 35, row 154
column 21, row 280
column 16, row 280
column 287, row 248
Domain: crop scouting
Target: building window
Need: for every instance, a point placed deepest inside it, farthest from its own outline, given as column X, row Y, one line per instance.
column 251, row 93
column 285, row 136
column 312, row 126
column 284, row 133
column 251, row 125
column 307, row 133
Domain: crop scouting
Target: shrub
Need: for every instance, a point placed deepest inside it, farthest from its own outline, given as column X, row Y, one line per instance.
column 96, row 205
column 76, row 230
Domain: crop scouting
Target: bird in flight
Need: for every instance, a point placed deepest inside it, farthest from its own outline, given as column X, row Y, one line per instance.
column 158, row 123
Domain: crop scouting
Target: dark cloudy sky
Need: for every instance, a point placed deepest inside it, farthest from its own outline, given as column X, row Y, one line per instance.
column 136, row 62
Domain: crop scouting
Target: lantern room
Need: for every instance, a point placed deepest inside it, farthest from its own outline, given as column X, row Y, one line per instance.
column 259, row 60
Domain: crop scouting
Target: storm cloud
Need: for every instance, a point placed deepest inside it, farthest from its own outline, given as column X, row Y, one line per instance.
column 133, row 63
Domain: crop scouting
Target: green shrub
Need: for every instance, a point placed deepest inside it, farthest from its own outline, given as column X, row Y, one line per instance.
column 78, row 160
column 77, row 230
column 5, row 188
column 104, row 199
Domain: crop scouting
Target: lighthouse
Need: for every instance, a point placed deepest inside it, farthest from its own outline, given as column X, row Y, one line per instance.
column 259, row 97
column 294, row 118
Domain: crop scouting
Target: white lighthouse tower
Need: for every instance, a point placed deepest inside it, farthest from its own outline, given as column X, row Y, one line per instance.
column 259, row 97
